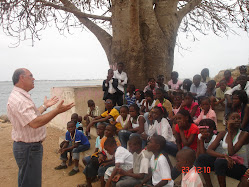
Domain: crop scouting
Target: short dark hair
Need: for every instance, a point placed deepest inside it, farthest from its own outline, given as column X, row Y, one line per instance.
column 113, row 127
column 205, row 99
column 208, row 122
column 121, row 63
column 149, row 93
column 187, row 114
column 135, row 140
column 75, row 115
column 110, row 141
column 160, row 140
column 71, row 122
column 151, row 79
column 132, row 87
column 16, row 75
column 137, row 109
column 197, row 76
column 125, row 106
column 90, row 102
column 187, row 154
column 175, row 73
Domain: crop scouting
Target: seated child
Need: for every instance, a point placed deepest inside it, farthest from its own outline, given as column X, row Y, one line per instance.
column 123, row 118
column 105, row 160
column 139, row 97
column 135, row 126
column 186, row 131
column 207, row 112
column 123, row 159
column 92, row 112
column 220, row 94
column 79, row 125
column 76, row 142
column 141, row 164
column 160, row 174
column 107, row 117
column 208, row 134
column 100, row 133
column 174, row 83
column 185, row 159
column 148, row 102
column 191, row 106
column 130, row 97
column 186, row 85
column 152, row 86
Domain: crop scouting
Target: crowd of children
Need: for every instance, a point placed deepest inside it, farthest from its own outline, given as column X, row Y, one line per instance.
column 178, row 119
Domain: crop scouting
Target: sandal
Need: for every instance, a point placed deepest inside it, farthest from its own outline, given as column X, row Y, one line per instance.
column 73, row 172
column 60, row 167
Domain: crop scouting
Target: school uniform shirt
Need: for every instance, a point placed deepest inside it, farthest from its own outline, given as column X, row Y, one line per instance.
column 219, row 149
column 120, row 76
column 160, row 170
column 191, row 179
column 102, row 149
column 167, row 104
column 95, row 111
column 238, row 87
column 139, row 104
column 149, row 88
column 220, row 94
column 164, row 129
column 150, row 106
column 210, row 115
column 192, row 130
column 141, row 163
column 121, row 123
column 79, row 137
column 200, row 90
column 113, row 113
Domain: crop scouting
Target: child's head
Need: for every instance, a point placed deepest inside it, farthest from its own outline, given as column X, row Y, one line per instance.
column 207, row 127
column 211, row 85
column 233, row 120
column 79, row 119
column 156, row 144
column 159, row 112
column 148, row 95
column 139, row 95
column 110, row 145
column 223, row 85
column 185, row 158
column 160, row 79
column 110, row 73
column 150, row 116
column 91, row 104
column 197, row 80
column 243, row 69
column 71, row 126
column 183, row 119
column 239, row 97
column 135, row 144
column 131, row 88
column 177, row 98
column 242, row 80
column 174, row 75
column 188, row 98
column 101, row 129
column 152, row 82
column 120, row 67
column 110, row 130
column 108, row 104
column 187, row 84
column 205, row 73
column 227, row 74
column 74, row 117
column 124, row 110
column 134, row 110
column 160, row 93
column 205, row 104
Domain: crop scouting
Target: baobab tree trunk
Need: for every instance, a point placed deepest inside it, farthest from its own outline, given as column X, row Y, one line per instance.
column 139, row 40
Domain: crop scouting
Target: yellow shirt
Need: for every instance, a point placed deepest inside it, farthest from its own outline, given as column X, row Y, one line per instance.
column 114, row 115
column 167, row 104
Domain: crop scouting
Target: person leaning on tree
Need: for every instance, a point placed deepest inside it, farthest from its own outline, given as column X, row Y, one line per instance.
column 28, row 127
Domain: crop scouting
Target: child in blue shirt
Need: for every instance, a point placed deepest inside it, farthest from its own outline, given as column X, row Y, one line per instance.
column 130, row 97
column 75, row 142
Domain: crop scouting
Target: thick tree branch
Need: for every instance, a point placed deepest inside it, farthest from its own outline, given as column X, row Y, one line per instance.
column 75, row 12
column 188, row 7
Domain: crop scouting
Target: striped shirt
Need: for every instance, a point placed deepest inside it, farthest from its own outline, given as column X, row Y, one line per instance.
column 21, row 111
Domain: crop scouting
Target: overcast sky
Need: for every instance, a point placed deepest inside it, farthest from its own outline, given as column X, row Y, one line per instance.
column 80, row 56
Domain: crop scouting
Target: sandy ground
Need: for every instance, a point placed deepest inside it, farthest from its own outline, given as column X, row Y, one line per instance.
column 50, row 177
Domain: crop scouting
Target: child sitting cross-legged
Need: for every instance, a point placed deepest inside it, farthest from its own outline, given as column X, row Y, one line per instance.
column 123, row 159
column 160, row 174
column 185, row 159
column 76, row 142
column 140, row 168
column 105, row 160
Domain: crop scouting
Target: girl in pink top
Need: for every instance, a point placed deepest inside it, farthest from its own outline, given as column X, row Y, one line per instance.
column 191, row 106
column 174, row 83
column 207, row 112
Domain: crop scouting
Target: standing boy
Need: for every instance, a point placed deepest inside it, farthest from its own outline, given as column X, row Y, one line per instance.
column 75, row 142
column 122, row 81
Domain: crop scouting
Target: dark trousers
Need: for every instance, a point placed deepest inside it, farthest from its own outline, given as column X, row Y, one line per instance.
column 113, row 97
column 120, row 100
column 29, row 160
